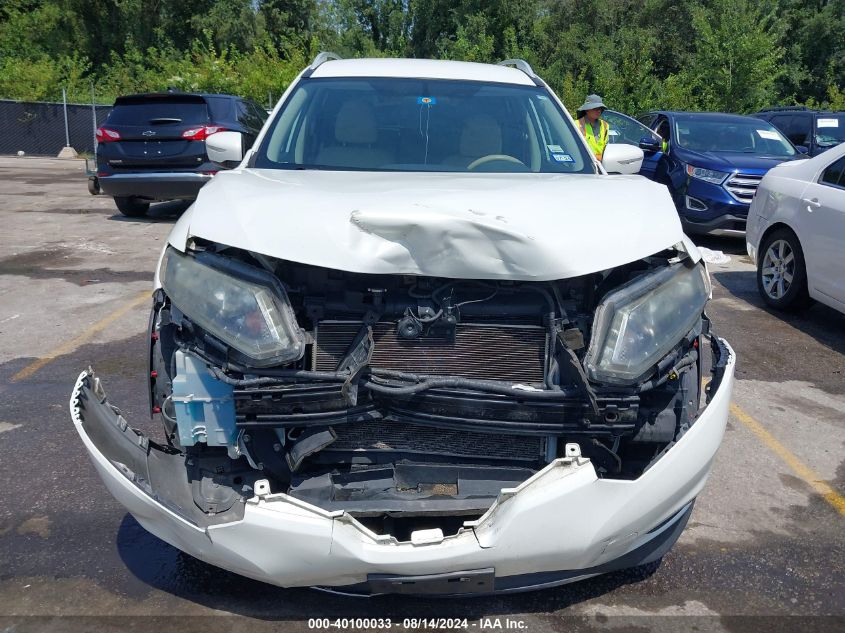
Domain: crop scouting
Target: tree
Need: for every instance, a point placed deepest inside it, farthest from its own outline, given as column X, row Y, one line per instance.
column 736, row 62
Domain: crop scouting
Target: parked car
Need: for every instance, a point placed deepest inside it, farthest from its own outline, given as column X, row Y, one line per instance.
column 420, row 341
column 812, row 130
column 713, row 165
column 163, row 146
column 796, row 232
column 625, row 129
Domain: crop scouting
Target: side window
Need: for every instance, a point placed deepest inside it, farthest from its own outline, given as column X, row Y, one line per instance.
column 782, row 122
column 625, row 130
column 800, row 128
column 795, row 127
column 663, row 129
column 248, row 116
column 646, row 119
column 834, row 174
column 259, row 112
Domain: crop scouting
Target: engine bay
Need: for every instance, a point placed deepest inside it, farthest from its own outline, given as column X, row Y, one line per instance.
column 415, row 400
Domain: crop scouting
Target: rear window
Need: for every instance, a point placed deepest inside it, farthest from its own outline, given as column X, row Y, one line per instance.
column 158, row 112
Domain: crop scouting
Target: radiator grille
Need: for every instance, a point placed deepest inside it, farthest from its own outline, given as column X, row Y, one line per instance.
column 743, row 186
column 391, row 436
column 495, row 352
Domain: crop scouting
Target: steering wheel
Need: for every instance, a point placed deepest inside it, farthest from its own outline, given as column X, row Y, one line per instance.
column 491, row 157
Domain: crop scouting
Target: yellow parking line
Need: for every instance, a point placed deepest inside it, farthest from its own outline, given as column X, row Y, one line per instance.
column 811, row 477
column 72, row 344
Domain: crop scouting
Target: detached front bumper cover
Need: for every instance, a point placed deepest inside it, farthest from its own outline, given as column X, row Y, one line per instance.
column 561, row 525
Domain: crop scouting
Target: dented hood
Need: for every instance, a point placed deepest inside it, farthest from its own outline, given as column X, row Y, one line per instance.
column 480, row 226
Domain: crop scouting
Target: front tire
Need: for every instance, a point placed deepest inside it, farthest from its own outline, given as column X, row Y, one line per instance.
column 781, row 271
column 131, row 207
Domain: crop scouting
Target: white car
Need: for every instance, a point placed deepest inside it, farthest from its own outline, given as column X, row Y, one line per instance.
column 796, row 232
column 420, row 341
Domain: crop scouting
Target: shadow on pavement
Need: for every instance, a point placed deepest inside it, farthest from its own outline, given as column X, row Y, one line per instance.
column 728, row 245
column 159, row 212
column 824, row 324
column 163, row 567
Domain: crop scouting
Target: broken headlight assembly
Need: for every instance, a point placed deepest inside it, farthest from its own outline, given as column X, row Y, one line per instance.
column 639, row 323
column 238, row 304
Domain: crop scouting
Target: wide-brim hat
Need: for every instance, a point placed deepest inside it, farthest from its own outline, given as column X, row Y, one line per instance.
column 593, row 101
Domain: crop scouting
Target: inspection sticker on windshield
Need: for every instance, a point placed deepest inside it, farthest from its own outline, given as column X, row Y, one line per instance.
column 555, row 148
column 426, row 100
column 563, row 158
column 827, row 123
column 772, row 136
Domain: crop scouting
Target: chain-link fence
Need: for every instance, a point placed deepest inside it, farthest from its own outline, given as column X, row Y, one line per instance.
column 39, row 128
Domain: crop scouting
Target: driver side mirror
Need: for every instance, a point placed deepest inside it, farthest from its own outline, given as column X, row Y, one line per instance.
column 650, row 144
column 620, row 158
column 225, row 148
column 802, row 149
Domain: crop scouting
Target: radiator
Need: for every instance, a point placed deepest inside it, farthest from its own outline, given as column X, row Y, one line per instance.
column 514, row 353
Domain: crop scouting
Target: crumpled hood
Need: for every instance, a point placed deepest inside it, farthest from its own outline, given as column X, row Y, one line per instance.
column 473, row 226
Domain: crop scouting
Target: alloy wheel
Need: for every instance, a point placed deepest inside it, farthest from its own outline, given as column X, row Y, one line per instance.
column 778, row 269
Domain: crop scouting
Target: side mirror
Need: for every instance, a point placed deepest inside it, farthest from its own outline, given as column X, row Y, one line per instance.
column 650, row 144
column 225, row 148
column 802, row 149
column 621, row 158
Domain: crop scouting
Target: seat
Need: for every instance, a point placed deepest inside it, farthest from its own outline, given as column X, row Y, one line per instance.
column 355, row 138
column 481, row 136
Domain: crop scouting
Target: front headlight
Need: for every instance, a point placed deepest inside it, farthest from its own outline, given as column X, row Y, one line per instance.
column 638, row 324
column 250, row 311
column 707, row 175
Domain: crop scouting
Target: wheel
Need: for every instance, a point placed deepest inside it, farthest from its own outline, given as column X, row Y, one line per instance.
column 506, row 158
column 131, row 207
column 94, row 186
column 781, row 272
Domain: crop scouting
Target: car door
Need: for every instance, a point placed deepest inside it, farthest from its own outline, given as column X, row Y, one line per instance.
column 823, row 231
column 624, row 129
column 667, row 166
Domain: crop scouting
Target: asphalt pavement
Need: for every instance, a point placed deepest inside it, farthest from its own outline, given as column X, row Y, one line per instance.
column 764, row 549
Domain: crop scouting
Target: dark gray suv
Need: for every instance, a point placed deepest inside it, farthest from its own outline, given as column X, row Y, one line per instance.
column 815, row 130
column 153, row 146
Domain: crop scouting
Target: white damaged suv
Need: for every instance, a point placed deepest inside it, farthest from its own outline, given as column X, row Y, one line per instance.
column 420, row 341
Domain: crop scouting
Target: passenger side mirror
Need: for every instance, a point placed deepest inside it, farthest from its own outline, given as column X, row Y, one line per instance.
column 650, row 144
column 621, row 158
column 225, row 148
column 802, row 149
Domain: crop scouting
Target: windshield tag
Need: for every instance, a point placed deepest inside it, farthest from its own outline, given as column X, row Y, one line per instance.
column 827, row 123
column 772, row 136
column 563, row 158
column 555, row 148
column 426, row 100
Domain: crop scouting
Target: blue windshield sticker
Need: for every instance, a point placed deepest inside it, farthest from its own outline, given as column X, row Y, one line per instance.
column 563, row 158
column 426, row 100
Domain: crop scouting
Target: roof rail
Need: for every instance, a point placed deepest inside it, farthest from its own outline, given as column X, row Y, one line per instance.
column 320, row 59
column 519, row 64
column 795, row 108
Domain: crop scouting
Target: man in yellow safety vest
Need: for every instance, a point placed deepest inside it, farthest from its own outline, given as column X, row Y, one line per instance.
column 594, row 129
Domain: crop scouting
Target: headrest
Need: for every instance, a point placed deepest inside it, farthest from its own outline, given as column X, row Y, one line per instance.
column 480, row 136
column 356, row 123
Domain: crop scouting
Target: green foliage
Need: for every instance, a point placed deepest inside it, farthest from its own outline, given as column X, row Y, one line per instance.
column 737, row 62
column 729, row 55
